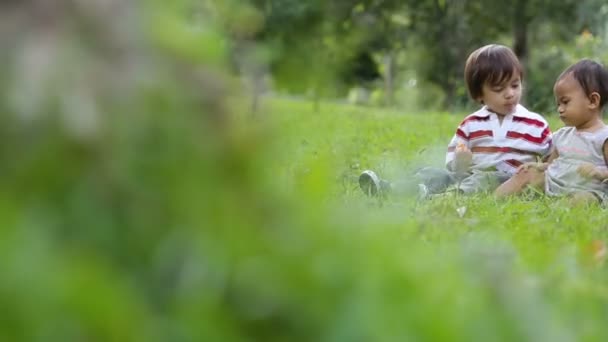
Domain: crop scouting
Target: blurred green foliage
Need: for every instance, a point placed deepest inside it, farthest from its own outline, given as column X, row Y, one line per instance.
column 547, row 65
column 140, row 201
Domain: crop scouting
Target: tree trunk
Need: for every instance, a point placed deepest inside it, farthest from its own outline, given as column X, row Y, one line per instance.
column 257, row 90
column 520, row 31
column 389, row 86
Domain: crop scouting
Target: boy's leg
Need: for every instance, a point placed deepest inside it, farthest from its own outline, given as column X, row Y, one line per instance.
column 424, row 182
column 584, row 198
column 434, row 180
column 482, row 181
column 428, row 180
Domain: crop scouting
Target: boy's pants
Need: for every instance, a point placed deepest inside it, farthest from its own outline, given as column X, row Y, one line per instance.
column 438, row 180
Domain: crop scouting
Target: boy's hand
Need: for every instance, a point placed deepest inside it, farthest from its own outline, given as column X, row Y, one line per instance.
column 463, row 158
column 589, row 170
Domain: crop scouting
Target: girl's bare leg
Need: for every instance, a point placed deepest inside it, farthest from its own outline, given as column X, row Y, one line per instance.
column 583, row 198
column 523, row 179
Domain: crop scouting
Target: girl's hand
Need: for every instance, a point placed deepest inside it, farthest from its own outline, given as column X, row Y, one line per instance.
column 589, row 170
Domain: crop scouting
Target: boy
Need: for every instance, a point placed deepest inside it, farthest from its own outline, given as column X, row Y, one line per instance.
column 490, row 144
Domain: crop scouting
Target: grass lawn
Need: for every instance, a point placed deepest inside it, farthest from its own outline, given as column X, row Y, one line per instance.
column 451, row 268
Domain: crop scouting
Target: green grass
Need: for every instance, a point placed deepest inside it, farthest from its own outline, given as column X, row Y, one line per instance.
column 232, row 229
column 515, row 269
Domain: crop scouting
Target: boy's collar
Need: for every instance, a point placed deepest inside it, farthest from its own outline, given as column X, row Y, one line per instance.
column 486, row 111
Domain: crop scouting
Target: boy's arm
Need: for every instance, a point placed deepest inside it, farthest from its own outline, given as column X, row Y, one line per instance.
column 463, row 158
column 458, row 147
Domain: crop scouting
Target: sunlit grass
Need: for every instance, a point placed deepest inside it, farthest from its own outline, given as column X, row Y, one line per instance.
column 530, row 268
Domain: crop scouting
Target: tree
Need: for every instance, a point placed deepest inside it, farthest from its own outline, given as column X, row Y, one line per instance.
column 326, row 47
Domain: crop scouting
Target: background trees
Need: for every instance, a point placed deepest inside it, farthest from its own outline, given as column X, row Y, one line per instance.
column 325, row 48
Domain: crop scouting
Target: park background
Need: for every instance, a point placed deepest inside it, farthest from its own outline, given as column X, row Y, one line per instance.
column 187, row 171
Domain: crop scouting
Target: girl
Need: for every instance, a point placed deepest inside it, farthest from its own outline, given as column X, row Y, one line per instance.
column 576, row 166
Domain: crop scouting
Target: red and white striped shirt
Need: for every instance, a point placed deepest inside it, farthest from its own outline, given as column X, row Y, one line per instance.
column 520, row 138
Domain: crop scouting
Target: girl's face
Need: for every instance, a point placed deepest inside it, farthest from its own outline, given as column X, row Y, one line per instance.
column 502, row 99
column 575, row 108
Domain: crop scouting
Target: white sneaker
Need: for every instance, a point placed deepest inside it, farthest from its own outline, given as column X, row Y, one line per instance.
column 370, row 183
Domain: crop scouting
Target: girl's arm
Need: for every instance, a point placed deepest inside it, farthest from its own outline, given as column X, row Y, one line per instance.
column 542, row 166
column 604, row 175
column 552, row 156
column 591, row 171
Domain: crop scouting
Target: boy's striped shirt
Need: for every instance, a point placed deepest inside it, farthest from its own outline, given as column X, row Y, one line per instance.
column 522, row 137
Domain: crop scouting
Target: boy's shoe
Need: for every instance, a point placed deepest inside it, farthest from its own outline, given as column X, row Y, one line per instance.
column 372, row 185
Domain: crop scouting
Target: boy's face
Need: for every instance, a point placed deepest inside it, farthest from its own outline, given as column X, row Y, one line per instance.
column 503, row 98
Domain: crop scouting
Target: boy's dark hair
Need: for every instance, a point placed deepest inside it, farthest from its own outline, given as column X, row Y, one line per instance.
column 592, row 77
column 492, row 63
